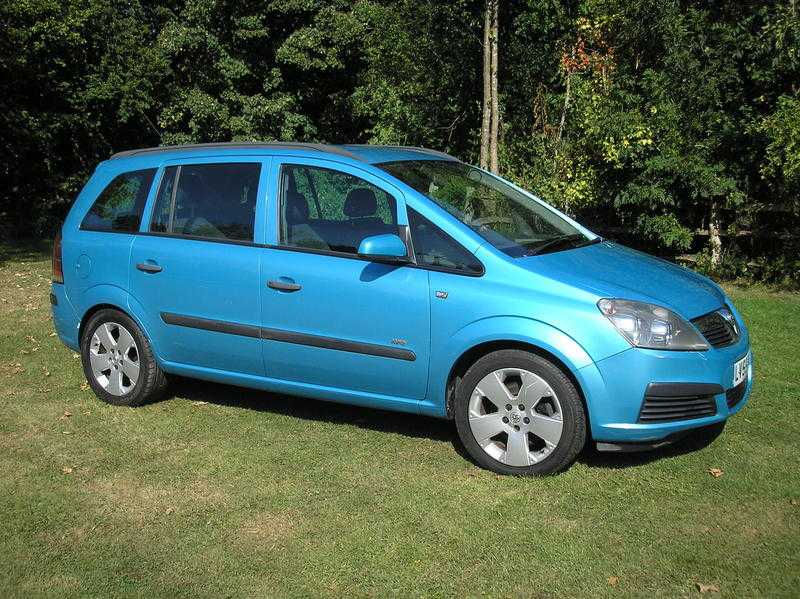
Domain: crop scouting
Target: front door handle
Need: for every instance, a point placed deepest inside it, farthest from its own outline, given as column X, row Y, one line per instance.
column 283, row 286
column 149, row 267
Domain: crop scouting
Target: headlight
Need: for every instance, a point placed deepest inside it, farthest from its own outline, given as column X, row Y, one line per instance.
column 650, row 326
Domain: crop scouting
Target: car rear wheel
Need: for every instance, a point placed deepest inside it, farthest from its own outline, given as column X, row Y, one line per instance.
column 118, row 361
column 518, row 413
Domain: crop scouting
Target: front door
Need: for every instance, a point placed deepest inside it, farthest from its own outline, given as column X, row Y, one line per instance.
column 196, row 270
column 329, row 318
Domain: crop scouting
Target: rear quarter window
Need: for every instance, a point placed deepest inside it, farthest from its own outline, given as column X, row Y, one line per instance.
column 119, row 206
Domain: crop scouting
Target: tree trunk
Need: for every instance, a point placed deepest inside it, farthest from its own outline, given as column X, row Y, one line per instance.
column 495, row 122
column 564, row 109
column 714, row 229
column 487, row 89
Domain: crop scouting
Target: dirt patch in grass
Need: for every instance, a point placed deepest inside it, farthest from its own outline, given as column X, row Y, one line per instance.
column 143, row 502
column 268, row 527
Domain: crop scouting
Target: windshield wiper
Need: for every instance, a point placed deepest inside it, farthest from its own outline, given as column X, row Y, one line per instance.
column 575, row 240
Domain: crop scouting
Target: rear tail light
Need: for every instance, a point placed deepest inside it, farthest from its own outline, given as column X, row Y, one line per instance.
column 58, row 266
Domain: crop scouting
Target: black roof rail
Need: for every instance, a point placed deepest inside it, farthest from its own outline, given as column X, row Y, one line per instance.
column 239, row 145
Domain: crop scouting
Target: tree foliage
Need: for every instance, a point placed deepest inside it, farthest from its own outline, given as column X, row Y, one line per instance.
column 654, row 120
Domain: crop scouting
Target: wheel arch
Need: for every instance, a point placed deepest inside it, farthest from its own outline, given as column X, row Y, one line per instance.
column 476, row 352
column 87, row 316
column 111, row 297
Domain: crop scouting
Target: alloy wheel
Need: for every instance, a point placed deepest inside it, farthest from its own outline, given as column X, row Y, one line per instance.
column 515, row 416
column 114, row 358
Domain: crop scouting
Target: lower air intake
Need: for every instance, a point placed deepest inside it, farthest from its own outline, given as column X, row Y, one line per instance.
column 668, row 402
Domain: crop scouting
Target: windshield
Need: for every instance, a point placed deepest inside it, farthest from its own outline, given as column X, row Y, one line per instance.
column 508, row 219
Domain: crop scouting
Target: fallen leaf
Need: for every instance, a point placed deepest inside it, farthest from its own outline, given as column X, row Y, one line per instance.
column 715, row 472
column 613, row 581
column 707, row 588
column 53, row 334
column 84, row 387
column 66, row 415
column 66, row 470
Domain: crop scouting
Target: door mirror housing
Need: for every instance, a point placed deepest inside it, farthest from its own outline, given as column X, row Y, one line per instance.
column 384, row 248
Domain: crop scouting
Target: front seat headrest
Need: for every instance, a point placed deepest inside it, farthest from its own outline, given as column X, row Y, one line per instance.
column 360, row 202
column 296, row 208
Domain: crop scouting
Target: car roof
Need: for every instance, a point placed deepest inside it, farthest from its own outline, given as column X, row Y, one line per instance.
column 371, row 154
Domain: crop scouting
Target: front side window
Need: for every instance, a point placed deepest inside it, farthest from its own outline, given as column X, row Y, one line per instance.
column 433, row 248
column 508, row 219
column 215, row 201
column 328, row 210
column 119, row 207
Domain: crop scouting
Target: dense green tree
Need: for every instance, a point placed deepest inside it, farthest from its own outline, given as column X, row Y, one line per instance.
column 672, row 123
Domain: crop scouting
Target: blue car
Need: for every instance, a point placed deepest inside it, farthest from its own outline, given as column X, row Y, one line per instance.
column 396, row 278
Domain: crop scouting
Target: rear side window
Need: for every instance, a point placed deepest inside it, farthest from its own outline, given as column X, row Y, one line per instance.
column 119, row 207
column 215, row 201
column 433, row 248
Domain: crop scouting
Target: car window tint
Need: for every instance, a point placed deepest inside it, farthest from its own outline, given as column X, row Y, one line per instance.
column 119, row 207
column 324, row 209
column 435, row 248
column 217, row 201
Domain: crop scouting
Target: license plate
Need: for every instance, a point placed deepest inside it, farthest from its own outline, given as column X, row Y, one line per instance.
column 740, row 370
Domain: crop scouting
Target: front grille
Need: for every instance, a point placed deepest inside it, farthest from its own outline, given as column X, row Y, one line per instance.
column 718, row 331
column 670, row 408
column 735, row 394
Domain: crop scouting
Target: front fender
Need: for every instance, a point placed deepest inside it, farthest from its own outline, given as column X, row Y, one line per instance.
column 497, row 329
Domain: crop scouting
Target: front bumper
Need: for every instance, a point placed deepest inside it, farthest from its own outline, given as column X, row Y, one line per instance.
column 615, row 388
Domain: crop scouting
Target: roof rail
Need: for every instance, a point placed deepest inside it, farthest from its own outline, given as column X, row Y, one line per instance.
column 398, row 147
column 239, row 145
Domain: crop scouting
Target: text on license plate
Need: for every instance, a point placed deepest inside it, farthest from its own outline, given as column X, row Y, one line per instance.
column 740, row 370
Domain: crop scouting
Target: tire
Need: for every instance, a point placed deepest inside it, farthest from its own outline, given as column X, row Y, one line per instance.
column 554, row 410
column 114, row 343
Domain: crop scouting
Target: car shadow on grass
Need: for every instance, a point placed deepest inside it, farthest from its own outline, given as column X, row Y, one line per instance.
column 693, row 441
column 409, row 425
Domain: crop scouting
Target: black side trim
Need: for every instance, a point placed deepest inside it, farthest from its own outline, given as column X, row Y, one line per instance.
column 206, row 324
column 233, row 328
column 682, row 389
column 339, row 344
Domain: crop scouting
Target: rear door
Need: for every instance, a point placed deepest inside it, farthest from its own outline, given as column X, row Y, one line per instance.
column 195, row 271
column 330, row 318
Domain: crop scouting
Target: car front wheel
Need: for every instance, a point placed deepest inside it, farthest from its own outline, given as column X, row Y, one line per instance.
column 518, row 413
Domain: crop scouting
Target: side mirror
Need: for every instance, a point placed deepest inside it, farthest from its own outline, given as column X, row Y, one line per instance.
column 384, row 248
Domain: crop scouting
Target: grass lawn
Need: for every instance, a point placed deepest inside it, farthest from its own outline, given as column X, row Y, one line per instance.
column 227, row 492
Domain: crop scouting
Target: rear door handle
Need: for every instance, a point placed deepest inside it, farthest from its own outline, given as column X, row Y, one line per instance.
column 149, row 267
column 283, row 286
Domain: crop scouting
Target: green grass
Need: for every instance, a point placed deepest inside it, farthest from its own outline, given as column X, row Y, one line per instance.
column 257, row 495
